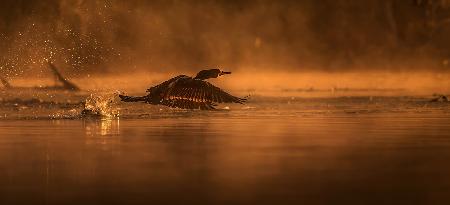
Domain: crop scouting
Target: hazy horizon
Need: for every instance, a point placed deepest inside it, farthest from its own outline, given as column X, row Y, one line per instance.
column 378, row 44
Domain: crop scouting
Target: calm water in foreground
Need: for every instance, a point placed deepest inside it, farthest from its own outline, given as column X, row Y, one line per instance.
column 271, row 151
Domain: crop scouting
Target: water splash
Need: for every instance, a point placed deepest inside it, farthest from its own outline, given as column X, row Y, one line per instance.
column 101, row 105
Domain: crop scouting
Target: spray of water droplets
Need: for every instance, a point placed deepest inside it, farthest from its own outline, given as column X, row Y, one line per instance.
column 101, row 105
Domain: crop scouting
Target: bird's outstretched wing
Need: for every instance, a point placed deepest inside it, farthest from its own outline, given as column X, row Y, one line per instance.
column 166, row 83
column 188, row 104
column 198, row 91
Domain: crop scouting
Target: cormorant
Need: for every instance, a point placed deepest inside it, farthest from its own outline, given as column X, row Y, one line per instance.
column 187, row 92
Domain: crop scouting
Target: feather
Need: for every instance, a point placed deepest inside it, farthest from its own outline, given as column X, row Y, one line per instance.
column 185, row 92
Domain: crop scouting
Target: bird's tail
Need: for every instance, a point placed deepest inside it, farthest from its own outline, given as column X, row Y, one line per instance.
column 132, row 99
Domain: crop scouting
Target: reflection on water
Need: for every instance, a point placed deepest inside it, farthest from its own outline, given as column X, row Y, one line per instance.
column 102, row 126
column 228, row 158
column 101, row 132
column 346, row 150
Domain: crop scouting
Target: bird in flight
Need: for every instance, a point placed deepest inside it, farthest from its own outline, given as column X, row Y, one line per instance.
column 187, row 92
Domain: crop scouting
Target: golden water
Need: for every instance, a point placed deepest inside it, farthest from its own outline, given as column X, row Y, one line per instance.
column 351, row 150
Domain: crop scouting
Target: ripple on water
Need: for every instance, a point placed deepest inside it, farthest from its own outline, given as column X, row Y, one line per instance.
column 107, row 105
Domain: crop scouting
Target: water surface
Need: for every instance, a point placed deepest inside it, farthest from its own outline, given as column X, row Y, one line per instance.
column 338, row 150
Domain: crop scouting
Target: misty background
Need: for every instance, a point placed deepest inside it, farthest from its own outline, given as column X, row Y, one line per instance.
column 89, row 37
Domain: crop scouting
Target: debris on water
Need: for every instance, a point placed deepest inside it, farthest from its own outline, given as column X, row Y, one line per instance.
column 440, row 98
column 98, row 105
column 22, row 107
column 37, row 102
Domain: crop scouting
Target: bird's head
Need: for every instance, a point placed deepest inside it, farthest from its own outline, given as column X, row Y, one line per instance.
column 211, row 73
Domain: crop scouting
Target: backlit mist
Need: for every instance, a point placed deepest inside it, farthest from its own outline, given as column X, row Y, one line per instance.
column 299, row 44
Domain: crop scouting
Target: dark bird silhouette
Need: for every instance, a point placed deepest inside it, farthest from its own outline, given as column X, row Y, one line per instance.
column 187, row 92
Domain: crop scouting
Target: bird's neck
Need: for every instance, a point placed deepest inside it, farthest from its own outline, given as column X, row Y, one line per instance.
column 199, row 78
column 202, row 77
column 204, row 74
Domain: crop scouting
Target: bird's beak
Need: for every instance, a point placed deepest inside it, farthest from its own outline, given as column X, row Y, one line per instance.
column 224, row 72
